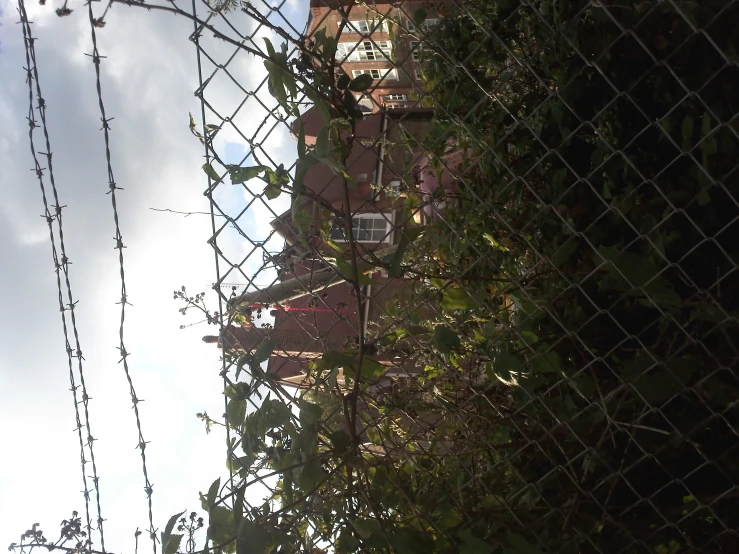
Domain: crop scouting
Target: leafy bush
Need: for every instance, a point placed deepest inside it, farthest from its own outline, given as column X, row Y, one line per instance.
column 600, row 195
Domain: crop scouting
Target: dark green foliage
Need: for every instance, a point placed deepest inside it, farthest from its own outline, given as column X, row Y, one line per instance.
column 579, row 366
column 605, row 168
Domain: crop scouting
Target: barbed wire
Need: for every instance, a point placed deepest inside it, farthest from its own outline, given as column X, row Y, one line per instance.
column 113, row 187
column 519, row 333
column 53, row 216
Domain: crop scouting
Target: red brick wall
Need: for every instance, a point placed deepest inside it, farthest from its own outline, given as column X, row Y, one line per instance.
column 325, row 16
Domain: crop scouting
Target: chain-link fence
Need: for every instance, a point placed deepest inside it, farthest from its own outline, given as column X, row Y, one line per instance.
column 503, row 305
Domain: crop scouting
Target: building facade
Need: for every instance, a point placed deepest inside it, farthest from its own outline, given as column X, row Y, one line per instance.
column 381, row 39
column 384, row 40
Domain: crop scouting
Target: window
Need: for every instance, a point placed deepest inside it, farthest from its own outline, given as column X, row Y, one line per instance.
column 416, row 49
column 365, row 51
column 388, row 74
column 365, row 103
column 427, row 22
column 417, row 74
column 366, row 27
column 396, row 98
column 370, row 227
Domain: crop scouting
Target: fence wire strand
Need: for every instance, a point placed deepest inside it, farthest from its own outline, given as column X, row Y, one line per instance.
column 53, row 216
column 502, row 275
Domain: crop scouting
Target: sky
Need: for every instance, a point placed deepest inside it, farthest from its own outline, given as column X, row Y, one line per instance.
column 148, row 79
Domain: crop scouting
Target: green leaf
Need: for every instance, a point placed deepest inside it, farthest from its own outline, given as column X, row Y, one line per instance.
column 311, row 474
column 222, row 527
column 171, row 523
column 341, row 123
column 343, row 81
column 239, row 504
column 310, row 413
column 504, row 364
column 274, row 413
column 519, row 545
column 547, row 362
column 213, row 493
column 323, row 142
column 458, row 299
column 405, row 540
column 272, row 192
column 302, row 150
column 264, row 351
column 319, row 103
column 361, row 83
column 270, row 48
column 639, row 270
column 170, row 542
column 242, row 174
column 564, row 252
column 340, row 440
column 347, row 270
column 372, row 369
column 338, row 169
column 494, row 243
column 238, row 390
column 333, row 359
column 236, row 412
column 362, row 527
column 419, row 16
column 407, row 237
column 445, row 339
column 276, row 84
column 210, row 172
column 329, row 48
column 254, row 538
column 472, row 545
column 288, row 80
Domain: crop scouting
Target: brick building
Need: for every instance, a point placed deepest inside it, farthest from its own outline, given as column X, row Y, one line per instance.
column 330, row 316
column 328, row 319
column 382, row 40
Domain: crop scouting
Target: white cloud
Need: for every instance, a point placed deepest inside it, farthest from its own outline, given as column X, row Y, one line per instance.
column 149, row 76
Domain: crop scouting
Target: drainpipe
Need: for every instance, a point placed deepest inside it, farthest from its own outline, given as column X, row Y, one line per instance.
column 381, row 160
column 367, row 297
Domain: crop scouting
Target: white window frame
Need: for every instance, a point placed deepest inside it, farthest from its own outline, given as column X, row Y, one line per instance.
column 416, row 47
column 365, row 102
column 396, row 98
column 364, row 51
column 387, row 235
column 393, row 188
column 389, row 74
column 410, row 26
column 365, row 26
column 417, row 74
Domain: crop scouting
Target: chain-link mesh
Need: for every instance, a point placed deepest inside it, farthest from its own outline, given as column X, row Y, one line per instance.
column 531, row 337
column 492, row 307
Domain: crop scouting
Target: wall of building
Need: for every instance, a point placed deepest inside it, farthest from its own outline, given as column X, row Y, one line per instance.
column 329, row 319
column 326, row 16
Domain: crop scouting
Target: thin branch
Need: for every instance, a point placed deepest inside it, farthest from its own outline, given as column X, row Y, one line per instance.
column 186, row 214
